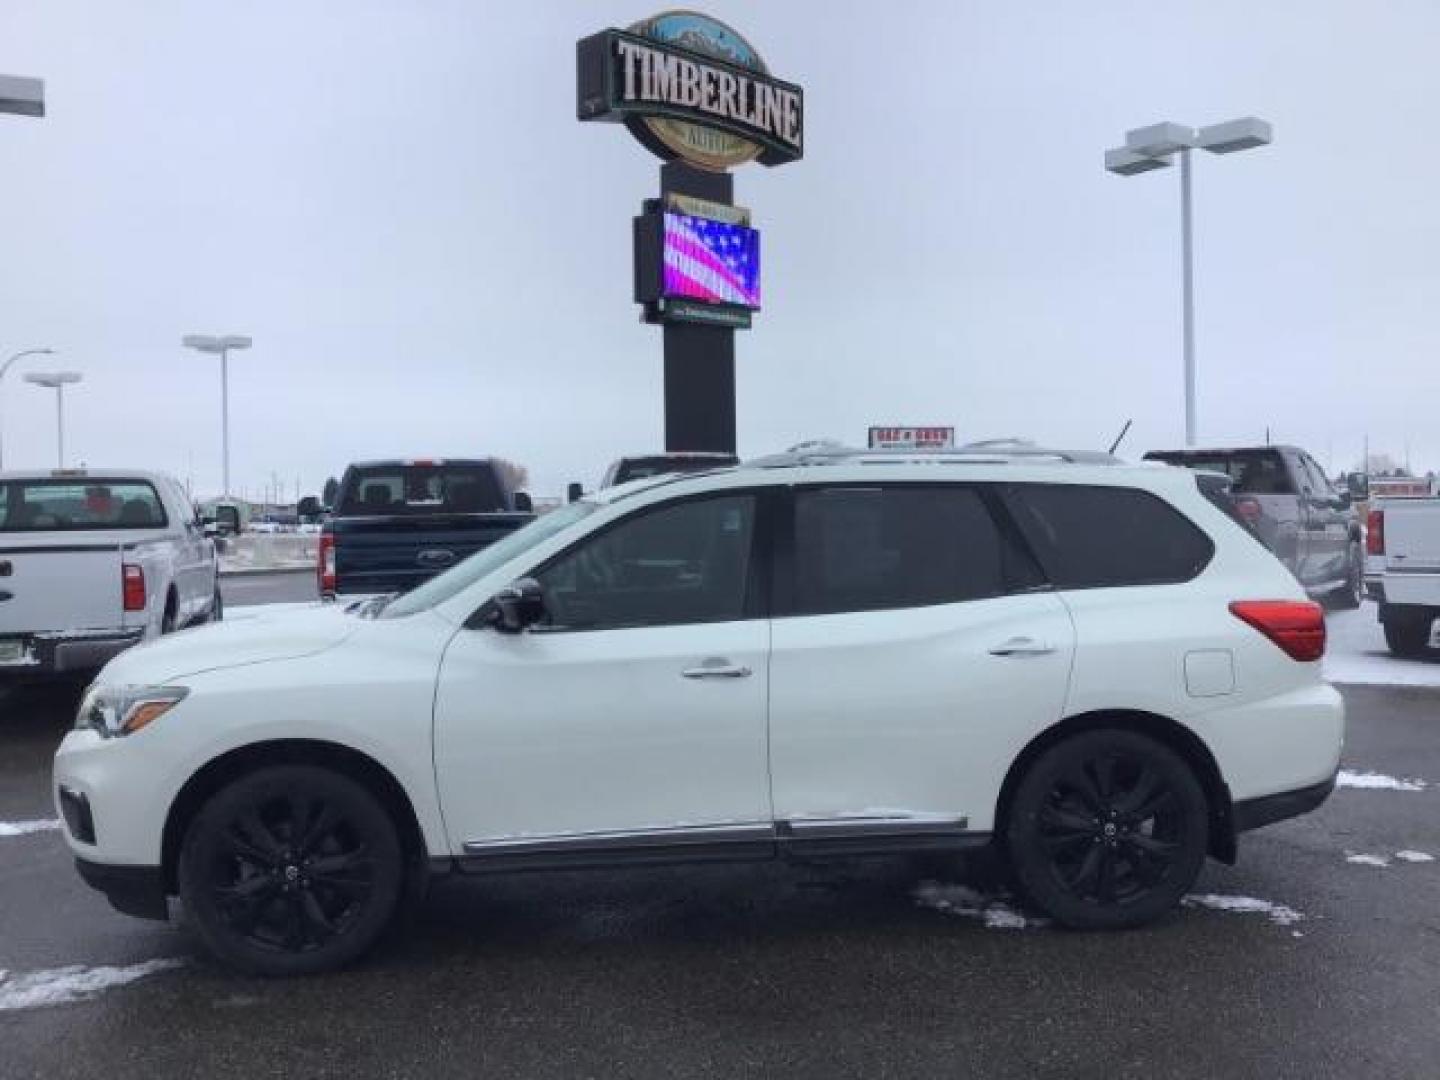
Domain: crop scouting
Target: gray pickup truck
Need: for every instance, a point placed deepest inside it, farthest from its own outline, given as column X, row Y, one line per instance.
column 1286, row 500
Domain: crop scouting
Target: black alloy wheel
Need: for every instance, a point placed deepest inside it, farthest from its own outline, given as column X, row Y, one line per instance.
column 291, row 870
column 1107, row 829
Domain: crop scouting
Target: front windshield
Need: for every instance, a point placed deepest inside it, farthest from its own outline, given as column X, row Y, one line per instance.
column 462, row 575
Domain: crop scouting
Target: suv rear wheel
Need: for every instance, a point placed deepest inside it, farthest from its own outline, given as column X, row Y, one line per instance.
column 291, row 869
column 1107, row 829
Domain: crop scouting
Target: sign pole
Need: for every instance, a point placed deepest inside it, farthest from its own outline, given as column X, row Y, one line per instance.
column 699, row 360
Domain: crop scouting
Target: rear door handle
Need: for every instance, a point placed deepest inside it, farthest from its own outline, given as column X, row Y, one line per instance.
column 716, row 668
column 1022, row 646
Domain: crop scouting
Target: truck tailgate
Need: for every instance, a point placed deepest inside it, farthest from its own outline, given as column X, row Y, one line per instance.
column 393, row 554
column 1412, row 535
column 49, row 588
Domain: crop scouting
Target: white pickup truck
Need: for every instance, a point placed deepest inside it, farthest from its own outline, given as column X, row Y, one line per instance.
column 93, row 562
column 1402, row 573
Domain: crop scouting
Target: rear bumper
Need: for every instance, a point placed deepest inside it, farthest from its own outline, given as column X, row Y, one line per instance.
column 1268, row 809
column 77, row 653
column 133, row 890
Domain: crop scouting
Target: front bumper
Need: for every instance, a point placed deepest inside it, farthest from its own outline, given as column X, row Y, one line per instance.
column 1267, row 809
column 75, row 652
column 132, row 890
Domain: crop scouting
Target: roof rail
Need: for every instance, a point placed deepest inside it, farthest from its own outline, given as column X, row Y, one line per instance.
column 994, row 452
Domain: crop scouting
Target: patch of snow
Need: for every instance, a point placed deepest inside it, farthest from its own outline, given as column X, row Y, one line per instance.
column 23, row 828
column 1366, row 860
column 60, row 986
column 1414, row 856
column 970, row 903
column 1355, row 653
column 1279, row 914
column 1374, row 780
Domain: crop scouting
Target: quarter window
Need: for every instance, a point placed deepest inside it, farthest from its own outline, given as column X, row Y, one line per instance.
column 687, row 562
column 866, row 549
column 1095, row 537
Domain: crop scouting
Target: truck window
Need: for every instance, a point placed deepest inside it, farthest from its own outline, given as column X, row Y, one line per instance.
column 421, row 489
column 79, row 504
column 1252, row 472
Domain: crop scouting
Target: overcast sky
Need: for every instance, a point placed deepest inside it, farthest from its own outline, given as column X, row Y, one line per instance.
column 433, row 256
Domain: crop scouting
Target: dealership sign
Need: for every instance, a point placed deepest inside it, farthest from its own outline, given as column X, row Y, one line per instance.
column 912, row 438
column 689, row 87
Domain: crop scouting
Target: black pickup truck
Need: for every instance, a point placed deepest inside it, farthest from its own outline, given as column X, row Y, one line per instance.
column 398, row 523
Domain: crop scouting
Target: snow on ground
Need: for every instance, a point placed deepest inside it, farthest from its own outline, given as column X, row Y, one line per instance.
column 994, row 911
column 1414, row 856
column 1376, row 781
column 1279, row 914
column 1356, row 653
column 60, row 986
column 22, row 828
column 1360, row 859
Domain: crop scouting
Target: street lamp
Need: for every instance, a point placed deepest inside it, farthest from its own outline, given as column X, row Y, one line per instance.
column 57, row 381
column 6, row 367
column 220, row 346
column 22, row 96
column 1152, row 147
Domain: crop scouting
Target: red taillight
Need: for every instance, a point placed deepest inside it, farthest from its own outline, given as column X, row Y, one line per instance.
column 1375, row 532
column 132, row 587
column 1249, row 511
column 1297, row 626
column 325, row 563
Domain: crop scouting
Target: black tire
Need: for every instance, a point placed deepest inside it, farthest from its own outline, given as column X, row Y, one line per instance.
column 291, row 870
column 169, row 620
column 1107, row 829
column 217, row 605
column 1353, row 594
column 1410, row 638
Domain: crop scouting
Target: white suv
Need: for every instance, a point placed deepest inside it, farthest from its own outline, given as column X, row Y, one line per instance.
column 1090, row 667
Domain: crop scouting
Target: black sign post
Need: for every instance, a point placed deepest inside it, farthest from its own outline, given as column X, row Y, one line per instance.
column 693, row 91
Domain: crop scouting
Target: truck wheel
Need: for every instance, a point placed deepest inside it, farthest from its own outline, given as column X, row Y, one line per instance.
column 217, row 606
column 1107, row 829
column 1410, row 638
column 1353, row 593
column 291, row 870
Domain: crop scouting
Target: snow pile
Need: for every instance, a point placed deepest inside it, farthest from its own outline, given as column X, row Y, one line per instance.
column 1355, row 653
column 970, row 903
column 1414, row 856
column 21, row 828
column 1279, row 914
column 1374, row 780
column 60, row 986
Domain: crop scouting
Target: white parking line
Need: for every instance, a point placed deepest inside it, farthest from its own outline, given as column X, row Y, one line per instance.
column 60, row 986
column 24, row 828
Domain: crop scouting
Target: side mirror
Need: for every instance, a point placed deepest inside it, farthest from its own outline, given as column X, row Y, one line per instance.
column 517, row 606
column 574, row 492
column 210, row 529
column 1344, row 498
column 523, row 503
column 1359, row 486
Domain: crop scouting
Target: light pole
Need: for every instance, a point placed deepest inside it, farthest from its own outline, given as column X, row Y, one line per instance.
column 6, row 367
column 1152, row 147
column 22, row 96
column 57, row 381
column 220, row 346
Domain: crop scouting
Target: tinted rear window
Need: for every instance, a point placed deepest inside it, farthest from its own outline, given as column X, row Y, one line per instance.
column 1251, row 472
column 421, row 489
column 1095, row 537
column 60, row 505
column 872, row 548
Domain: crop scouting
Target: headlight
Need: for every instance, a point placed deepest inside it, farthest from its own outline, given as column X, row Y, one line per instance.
column 124, row 710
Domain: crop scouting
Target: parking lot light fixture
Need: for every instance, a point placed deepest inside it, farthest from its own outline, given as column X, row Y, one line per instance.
column 57, row 381
column 4, row 368
column 1152, row 147
column 22, row 96
column 220, row 346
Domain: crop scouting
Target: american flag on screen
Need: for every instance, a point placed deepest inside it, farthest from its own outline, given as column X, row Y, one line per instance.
column 712, row 260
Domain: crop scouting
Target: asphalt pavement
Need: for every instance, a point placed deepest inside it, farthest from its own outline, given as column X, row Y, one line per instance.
column 825, row 971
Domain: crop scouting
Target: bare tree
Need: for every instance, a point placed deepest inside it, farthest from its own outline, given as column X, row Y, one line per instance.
column 515, row 477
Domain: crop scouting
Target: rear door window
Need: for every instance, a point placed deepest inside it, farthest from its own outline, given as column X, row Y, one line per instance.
column 900, row 546
column 421, row 489
column 79, row 505
column 1097, row 537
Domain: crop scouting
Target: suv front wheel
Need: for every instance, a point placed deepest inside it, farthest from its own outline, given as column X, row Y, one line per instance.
column 291, row 869
column 1107, row 829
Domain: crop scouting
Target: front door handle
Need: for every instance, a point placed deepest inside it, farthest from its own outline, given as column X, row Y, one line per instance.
column 717, row 668
column 1022, row 646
